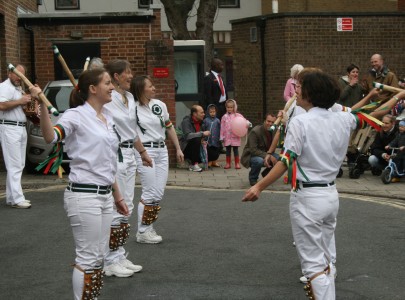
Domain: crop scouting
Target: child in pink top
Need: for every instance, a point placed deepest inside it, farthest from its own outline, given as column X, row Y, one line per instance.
column 229, row 139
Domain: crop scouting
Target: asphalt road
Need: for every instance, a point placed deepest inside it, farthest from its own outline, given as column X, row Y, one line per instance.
column 214, row 247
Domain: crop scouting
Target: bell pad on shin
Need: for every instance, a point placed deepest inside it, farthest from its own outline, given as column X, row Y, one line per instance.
column 93, row 283
column 308, row 287
column 308, row 291
column 115, row 237
column 125, row 229
column 150, row 214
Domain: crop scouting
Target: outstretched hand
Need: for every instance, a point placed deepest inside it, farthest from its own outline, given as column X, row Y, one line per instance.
column 251, row 194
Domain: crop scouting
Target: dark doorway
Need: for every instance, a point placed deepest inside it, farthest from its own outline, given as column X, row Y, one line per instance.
column 75, row 55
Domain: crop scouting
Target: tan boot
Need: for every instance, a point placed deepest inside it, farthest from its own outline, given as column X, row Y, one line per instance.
column 215, row 164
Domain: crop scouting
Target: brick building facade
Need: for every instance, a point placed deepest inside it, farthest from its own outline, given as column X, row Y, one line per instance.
column 28, row 38
column 310, row 39
column 12, row 37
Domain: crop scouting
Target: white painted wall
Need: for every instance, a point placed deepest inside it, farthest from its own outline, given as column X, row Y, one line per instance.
column 93, row 6
column 248, row 8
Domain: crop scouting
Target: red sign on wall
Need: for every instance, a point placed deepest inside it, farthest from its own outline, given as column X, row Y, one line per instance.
column 160, row 72
column 344, row 24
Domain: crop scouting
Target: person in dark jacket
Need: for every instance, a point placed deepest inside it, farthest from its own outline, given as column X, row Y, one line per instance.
column 351, row 91
column 213, row 125
column 379, row 156
column 258, row 143
column 214, row 88
column 192, row 137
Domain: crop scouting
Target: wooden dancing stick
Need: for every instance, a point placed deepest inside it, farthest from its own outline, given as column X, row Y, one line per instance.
column 64, row 65
column 41, row 95
column 86, row 64
column 385, row 87
column 286, row 107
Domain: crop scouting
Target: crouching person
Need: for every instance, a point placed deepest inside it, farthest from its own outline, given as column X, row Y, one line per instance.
column 190, row 142
column 379, row 157
column 257, row 147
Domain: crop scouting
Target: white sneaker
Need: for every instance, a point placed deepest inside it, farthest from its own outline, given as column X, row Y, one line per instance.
column 148, row 237
column 153, row 231
column 130, row 266
column 117, row 270
column 195, row 168
column 28, row 201
column 23, row 204
column 303, row 279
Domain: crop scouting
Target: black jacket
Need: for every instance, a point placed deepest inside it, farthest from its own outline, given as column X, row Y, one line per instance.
column 382, row 139
column 212, row 91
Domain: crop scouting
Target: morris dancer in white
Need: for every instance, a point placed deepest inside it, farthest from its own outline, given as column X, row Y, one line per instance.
column 122, row 109
column 92, row 143
column 13, row 135
column 153, row 123
column 313, row 158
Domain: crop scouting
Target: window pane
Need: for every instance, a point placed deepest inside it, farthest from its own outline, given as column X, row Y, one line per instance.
column 185, row 70
column 228, row 3
column 67, row 4
column 144, row 3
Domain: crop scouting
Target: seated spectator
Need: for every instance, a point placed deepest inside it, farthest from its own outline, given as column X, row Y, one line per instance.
column 213, row 125
column 258, row 143
column 380, row 73
column 379, row 156
column 192, row 137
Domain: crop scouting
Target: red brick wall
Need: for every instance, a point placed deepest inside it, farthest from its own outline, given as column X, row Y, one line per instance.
column 401, row 5
column 160, row 54
column 311, row 40
column 11, row 39
column 126, row 41
column 9, row 33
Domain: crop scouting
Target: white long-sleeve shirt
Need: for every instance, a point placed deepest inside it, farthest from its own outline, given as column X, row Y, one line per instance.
column 320, row 139
column 91, row 144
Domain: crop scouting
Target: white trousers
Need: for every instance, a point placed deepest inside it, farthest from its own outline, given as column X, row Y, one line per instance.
column 313, row 213
column 125, row 177
column 90, row 217
column 14, row 144
column 153, row 181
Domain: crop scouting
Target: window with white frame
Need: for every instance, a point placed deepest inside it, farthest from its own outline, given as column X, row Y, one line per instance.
column 67, row 4
column 144, row 3
column 229, row 3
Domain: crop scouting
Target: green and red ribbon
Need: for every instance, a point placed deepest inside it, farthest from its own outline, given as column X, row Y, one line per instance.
column 53, row 162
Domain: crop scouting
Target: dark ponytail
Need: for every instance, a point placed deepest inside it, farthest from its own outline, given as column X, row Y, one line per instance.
column 80, row 93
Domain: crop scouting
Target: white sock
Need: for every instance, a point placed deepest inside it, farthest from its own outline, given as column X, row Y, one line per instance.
column 78, row 283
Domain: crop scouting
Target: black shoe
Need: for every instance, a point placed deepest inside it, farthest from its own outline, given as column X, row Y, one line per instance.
column 265, row 172
column 252, row 182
